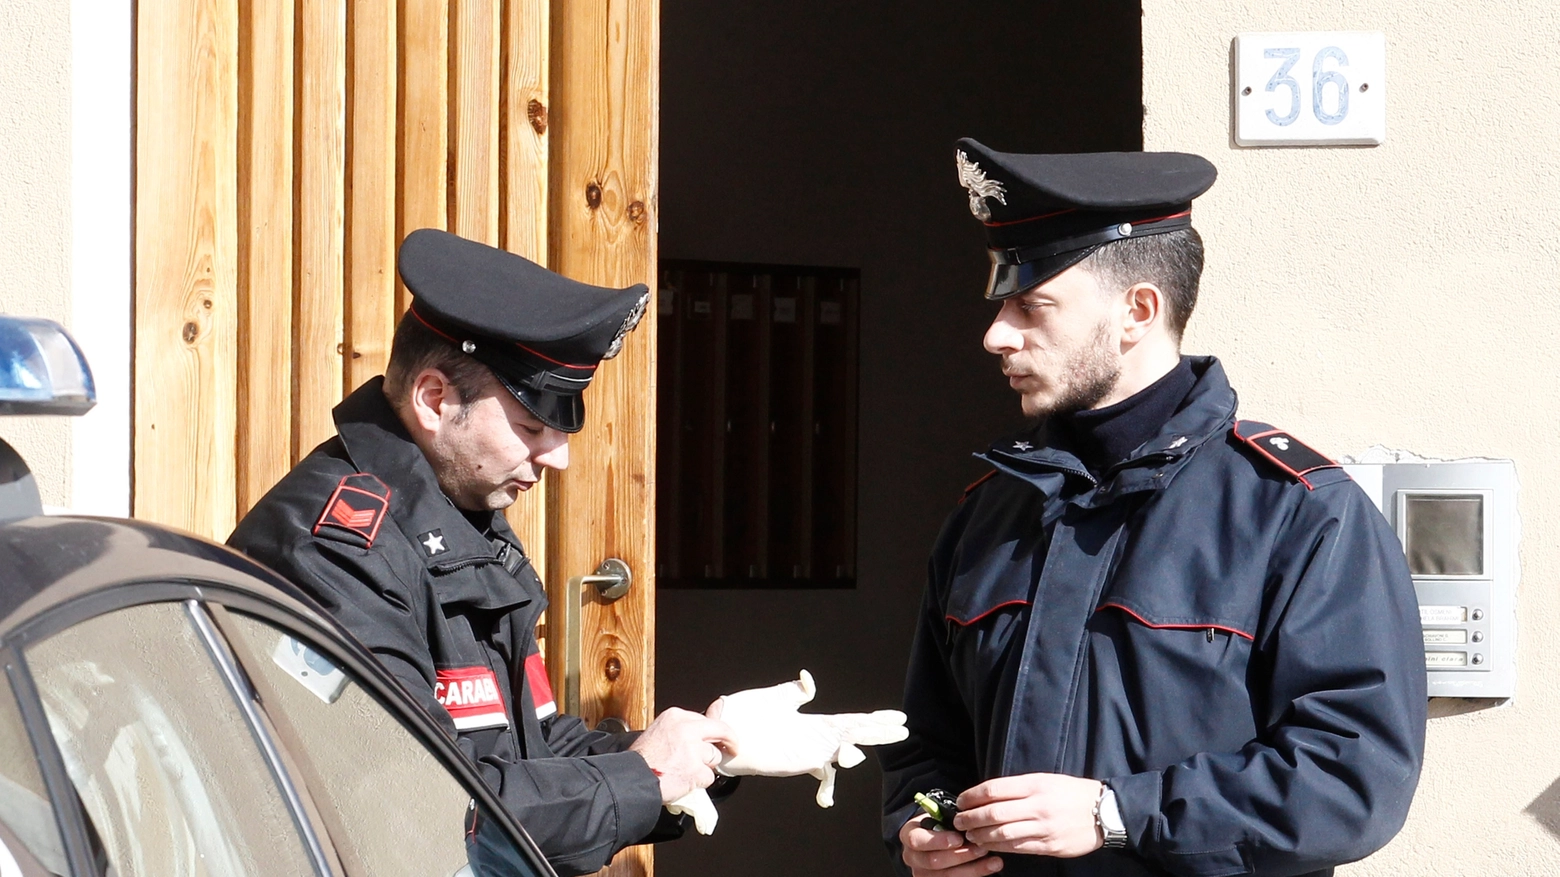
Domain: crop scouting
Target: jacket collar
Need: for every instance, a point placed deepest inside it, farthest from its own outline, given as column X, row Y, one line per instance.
column 1207, row 413
column 377, row 442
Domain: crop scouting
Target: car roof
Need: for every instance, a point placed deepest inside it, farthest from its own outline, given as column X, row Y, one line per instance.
column 50, row 560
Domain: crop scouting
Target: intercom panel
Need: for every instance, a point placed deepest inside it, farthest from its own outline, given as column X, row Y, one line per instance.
column 1458, row 525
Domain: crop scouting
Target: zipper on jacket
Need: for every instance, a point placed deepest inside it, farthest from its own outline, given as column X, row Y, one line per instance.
column 445, row 568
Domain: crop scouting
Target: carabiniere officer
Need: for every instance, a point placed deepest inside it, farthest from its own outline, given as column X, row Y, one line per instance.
column 1155, row 638
column 394, row 527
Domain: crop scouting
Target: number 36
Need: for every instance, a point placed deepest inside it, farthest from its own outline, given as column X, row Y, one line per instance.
column 1321, row 78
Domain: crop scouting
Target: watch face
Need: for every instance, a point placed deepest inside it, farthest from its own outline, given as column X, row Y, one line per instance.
column 1110, row 815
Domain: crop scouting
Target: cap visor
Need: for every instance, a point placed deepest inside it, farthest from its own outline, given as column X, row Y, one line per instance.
column 1007, row 281
column 565, row 413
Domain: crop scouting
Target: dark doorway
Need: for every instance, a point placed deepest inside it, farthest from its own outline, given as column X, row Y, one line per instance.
column 821, row 133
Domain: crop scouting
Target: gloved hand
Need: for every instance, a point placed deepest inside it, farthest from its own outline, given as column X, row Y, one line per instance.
column 774, row 739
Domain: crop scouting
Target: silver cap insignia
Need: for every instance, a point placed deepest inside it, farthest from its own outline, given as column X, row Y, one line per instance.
column 974, row 179
column 629, row 322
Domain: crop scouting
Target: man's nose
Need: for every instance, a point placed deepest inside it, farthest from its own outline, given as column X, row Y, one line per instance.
column 1002, row 336
column 557, row 456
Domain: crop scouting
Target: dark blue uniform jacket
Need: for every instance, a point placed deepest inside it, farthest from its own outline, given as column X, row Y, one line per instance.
column 1235, row 651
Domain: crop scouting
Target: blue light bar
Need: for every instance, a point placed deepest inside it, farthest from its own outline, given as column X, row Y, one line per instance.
column 42, row 371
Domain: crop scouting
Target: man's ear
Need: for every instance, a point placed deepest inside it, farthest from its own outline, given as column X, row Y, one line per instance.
column 1145, row 310
column 431, row 396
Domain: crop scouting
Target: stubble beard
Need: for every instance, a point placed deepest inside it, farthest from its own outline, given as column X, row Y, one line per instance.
column 1092, row 373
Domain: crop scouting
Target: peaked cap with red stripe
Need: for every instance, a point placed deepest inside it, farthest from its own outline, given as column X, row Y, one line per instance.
column 1046, row 213
column 542, row 334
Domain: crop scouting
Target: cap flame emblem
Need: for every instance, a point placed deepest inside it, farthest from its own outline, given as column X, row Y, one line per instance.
column 972, row 178
column 634, row 315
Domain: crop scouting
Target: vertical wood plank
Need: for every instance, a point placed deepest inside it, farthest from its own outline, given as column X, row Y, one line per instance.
column 602, row 208
column 475, row 38
column 265, row 235
column 523, row 130
column 320, row 203
column 369, row 312
column 422, row 154
column 522, row 213
column 186, row 272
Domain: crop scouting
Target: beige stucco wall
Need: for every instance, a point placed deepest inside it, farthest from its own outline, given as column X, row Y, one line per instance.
column 1402, row 295
column 35, row 196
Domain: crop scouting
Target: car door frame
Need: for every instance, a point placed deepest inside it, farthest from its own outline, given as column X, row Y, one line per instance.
column 232, row 592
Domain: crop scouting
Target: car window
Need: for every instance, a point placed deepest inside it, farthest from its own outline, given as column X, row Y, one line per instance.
column 29, row 837
column 388, row 805
column 164, row 761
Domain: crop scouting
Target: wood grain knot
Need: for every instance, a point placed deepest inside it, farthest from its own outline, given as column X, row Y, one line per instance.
column 593, row 195
column 636, row 212
column 191, row 332
column 536, row 111
column 614, row 669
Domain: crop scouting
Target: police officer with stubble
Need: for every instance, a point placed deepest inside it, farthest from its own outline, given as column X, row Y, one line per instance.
column 1156, row 638
column 395, row 527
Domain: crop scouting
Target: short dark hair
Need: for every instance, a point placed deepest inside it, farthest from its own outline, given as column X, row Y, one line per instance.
column 417, row 347
column 1172, row 261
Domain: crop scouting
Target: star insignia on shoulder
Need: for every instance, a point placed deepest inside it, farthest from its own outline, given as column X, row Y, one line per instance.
column 433, row 542
column 1023, row 446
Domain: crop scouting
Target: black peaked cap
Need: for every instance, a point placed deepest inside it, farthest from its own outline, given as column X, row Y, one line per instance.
column 541, row 333
column 1046, row 213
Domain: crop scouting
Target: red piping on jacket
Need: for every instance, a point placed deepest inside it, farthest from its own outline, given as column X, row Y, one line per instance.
column 1146, row 623
column 988, row 612
column 978, row 482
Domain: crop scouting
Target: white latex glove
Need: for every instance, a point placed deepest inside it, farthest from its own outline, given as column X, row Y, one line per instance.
column 697, row 804
column 775, row 740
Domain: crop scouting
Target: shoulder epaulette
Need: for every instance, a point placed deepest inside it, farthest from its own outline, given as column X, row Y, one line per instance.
column 1294, row 457
column 358, row 506
column 978, row 482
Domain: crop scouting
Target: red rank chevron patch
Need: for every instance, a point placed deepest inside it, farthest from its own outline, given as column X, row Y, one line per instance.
column 349, row 517
column 358, row 506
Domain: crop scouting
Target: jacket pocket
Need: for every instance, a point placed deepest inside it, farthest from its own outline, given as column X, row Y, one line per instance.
column 1160, row 653
column 974, row 600
column 1158, row 619
column 985, row 620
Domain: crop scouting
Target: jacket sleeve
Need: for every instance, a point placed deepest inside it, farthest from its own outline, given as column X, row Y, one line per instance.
column 1339, row 692
column 580, row 809
column 939, row 753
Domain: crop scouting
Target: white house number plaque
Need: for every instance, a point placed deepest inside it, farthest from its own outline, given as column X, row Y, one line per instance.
column 1321, row 88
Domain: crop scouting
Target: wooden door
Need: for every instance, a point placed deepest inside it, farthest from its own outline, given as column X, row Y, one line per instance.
column 284, row 148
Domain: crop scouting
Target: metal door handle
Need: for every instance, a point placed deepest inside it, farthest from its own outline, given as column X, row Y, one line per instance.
column 611, row 580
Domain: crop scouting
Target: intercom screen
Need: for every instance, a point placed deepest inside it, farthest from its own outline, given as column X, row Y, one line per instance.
column 1445, row 534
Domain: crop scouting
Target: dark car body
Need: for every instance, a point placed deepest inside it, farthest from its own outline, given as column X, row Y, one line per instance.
column 169, row 707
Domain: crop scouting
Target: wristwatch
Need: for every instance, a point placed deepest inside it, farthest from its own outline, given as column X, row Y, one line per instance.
column 1107, row 818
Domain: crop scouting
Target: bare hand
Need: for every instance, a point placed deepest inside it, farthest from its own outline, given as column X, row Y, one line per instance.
column 1038, row 814
column 943, row 853
column 683, row 748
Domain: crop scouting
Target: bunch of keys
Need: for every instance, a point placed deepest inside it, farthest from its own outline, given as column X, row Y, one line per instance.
column 940, row 809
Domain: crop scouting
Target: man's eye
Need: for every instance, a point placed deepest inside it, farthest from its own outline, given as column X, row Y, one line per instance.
column 528, row 429
column 1030, row 307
